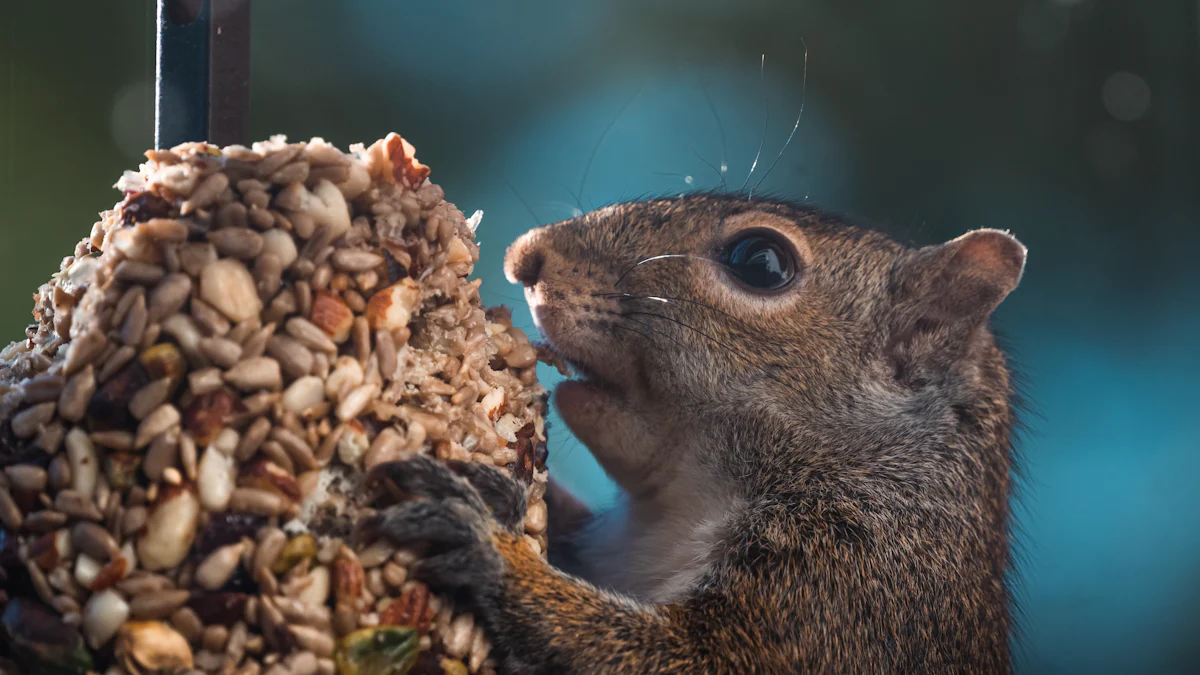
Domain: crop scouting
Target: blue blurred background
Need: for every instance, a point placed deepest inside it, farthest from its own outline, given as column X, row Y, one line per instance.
column 1074, row 123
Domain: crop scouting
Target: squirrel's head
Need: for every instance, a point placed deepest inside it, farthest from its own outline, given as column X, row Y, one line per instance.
column 702, row 323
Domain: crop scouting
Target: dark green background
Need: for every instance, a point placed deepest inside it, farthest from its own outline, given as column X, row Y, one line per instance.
column 927, row 117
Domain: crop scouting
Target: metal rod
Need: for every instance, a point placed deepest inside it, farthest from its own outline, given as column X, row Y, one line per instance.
column 203, row 72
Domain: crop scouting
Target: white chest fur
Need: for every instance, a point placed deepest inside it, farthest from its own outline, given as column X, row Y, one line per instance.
column 658, row 551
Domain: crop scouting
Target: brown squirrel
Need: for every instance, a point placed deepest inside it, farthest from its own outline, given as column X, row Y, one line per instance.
column 812, row 427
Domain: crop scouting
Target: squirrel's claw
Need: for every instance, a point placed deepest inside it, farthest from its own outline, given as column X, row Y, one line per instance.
column 448, row 520
column 481, row 487
column 505, row 496
column 440, row 523
column 419, row 476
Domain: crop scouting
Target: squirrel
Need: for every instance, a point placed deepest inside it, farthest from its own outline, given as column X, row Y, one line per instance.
column 812, row 427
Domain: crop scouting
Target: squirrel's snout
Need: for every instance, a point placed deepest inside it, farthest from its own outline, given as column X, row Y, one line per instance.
column 524, row 260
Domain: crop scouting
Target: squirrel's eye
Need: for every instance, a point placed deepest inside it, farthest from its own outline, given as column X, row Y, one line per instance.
column 760, row 261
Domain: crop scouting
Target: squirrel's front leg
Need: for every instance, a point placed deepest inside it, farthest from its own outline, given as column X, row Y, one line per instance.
column 469, row 518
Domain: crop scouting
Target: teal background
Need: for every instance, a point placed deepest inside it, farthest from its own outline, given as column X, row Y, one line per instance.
column 927, row 117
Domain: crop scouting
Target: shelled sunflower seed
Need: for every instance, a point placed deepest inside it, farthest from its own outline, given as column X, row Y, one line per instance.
column 185, row 429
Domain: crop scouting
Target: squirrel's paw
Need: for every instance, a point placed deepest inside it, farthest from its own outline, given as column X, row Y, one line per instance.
column 452, row 511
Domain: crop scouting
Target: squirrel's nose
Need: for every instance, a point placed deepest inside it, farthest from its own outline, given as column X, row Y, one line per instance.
column 525, row 258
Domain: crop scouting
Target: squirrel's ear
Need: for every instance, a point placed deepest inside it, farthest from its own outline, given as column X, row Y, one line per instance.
column 966, row 278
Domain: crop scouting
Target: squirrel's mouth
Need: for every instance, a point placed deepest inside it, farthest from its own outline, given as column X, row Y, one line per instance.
column 578, row 371
column 585, row 387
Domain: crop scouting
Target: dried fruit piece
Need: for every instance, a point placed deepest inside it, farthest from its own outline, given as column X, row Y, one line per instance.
column 210, row 413
column 382, row 650
column 145, row 647
column 164, row 360
column 40, row 642
column 348, row 576
column 218, row 608
column 410, row 609
column 268, row 476
column 299, row 548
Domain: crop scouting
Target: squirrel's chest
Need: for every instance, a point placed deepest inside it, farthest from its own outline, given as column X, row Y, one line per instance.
column 662, row 558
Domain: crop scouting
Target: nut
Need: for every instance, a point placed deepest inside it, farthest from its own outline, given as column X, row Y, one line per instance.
column 391, row 308
column 332, row 316
column 227, row 285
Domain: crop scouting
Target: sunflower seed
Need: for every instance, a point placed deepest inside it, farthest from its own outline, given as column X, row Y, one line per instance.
column 27, row 477
column 295, row 359
column 385, row 348
column 43, row 388
column 232, row 215
column 296, row 448
column 218, row 567
column 257, row 502
column 152, row 605
column 353, row 260
column 204, row 381
column 268, row 274
column 163, row 453
column 136, row 272
column 276, row 159
column 77, row 505
column 187, row 623
column 30, row 420
column 72, row 402
column 135, row 321
column 132, row 520
column 164, row 229
column 158, row 421
column 149, row 397
column 196, row 256
column 94, row 540
column 255, row 434
column 50, row 437
column 114, row 363
column 261, row 372
column 309, row 335
column 221, row 351
column 208, row 318
column 312, row 639
column 10, row 514
column 205, row 193
column 356, row 401
column 294, row 172
column 236, row 242
column 169, row 296
column 116, row 440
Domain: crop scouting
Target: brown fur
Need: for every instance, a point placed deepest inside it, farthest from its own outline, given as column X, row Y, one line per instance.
column 830, row 462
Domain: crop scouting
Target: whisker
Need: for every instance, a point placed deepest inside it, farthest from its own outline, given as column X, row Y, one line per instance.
column 680, row 323
column 667, row 299
column 763, row 80
column 687, row 177
column 651, row 328
column 536, row 221
column 720, row 175
column 592, row 158
column 803, row 98
column 575, row 197
column 664, row 256
column 727, row 347
column 721, row 129
column 645, row 337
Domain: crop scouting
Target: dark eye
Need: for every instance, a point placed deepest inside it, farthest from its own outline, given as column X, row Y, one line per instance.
column 760, row 261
